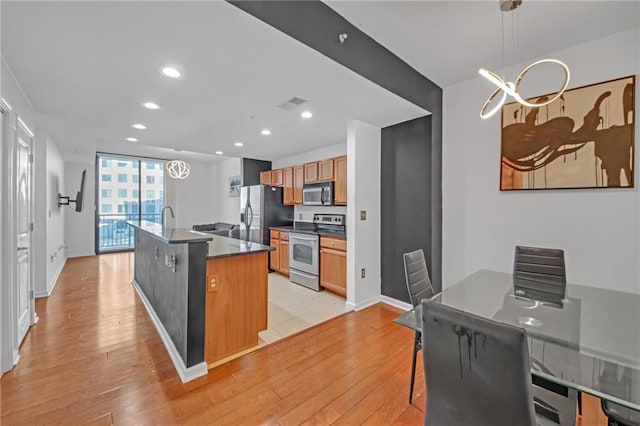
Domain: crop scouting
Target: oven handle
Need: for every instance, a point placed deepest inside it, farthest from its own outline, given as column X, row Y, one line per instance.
column 297, row 237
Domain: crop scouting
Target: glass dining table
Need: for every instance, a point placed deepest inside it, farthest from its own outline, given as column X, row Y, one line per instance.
column 589, row 342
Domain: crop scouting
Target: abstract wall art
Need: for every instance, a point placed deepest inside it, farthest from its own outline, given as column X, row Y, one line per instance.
column 585, row 139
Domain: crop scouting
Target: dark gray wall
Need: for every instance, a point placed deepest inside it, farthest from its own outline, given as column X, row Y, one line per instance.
column 178, row 298
column 318, row 26
column 406, row 211
column 250, row 170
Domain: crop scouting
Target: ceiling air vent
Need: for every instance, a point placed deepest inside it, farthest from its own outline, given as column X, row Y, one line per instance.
column 292, row 103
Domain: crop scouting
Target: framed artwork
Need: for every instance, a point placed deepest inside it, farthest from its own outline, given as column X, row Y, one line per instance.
column 585, row 139
column 234, row 186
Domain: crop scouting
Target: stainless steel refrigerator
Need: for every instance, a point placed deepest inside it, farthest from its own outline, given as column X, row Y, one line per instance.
column 261, row 207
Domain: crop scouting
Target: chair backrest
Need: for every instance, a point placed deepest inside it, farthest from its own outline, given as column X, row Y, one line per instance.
column 477, row 370
column 417, row 277
column 539, row 272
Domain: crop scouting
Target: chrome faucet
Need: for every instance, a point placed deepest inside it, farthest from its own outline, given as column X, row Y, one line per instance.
column 173, row 216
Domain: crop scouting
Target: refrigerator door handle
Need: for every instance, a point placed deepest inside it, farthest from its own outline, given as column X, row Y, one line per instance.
column 250, row 215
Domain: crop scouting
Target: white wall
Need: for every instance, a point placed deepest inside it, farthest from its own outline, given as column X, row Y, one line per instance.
column 194, row 197
column 597, row 228
column 80, row 227
column 56, row 254
column 227, row 209
column 363, row 193
column 315, row 155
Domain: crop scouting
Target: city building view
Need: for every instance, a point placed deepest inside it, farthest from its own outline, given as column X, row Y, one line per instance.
column 128, row 189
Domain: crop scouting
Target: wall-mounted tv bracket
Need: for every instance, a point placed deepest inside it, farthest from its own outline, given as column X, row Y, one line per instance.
column 64, row 201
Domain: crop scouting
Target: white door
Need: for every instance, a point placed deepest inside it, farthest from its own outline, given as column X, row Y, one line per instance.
column 23, row 229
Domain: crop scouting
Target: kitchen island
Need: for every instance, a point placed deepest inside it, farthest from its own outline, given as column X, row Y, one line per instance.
column 206, row 294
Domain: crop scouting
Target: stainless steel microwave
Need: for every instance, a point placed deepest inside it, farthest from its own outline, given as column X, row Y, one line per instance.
column 317, row 194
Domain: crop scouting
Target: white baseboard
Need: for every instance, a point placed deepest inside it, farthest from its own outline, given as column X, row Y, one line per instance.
column 366, row 303
column 396, row 303
column 51, row 285
column 186, row 373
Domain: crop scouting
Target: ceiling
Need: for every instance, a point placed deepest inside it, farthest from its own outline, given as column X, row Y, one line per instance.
column 448, row 41
column 87, row 67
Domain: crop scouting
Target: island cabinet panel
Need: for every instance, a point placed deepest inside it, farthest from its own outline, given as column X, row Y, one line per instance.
column 333, row 265
column 265, row 177
column 340, row 188
column 236, row 304
column 298, row 183
column 287, row 198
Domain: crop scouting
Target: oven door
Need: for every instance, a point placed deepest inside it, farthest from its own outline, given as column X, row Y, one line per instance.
column 304, row 253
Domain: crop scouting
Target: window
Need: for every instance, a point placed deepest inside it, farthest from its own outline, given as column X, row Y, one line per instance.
column 122, row 178
column 105, row 208
column 122, row 164
column 150, row 166
column 150, row 208
column 151, row 195
column 135, row 178
column 106, row 178
column 121, row 208
column 122, row 193
column 106, row 163
column 134, row 192
column 105, row 193
column 151, row 180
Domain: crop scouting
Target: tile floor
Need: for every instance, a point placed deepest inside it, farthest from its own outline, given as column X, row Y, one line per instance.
column 293, row 308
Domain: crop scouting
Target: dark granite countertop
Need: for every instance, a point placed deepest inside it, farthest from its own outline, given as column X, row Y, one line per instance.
column 321, row 232
column 224, row 246
column 170, row 235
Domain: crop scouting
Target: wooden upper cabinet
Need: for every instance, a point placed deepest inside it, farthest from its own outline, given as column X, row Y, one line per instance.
column 265, row 177
column 325, row 170
column 276, row 177
column 298, row 182
column 311, row 172
column 287, row 198
column 340, row 187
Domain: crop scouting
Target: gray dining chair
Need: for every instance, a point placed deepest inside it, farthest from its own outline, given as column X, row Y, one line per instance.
column 540, row 273
column 618, row 382
column 419, row 287
column 477, row 371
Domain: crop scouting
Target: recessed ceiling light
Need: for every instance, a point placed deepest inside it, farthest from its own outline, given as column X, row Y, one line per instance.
column 266, row 132
column 219, row 152
column 306, row 114
column 171, row 72
column 132, row 139
column 238, row 144
column 151, row 105
column 139, row 126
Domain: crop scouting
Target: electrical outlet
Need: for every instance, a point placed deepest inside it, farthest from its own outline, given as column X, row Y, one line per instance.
column 363, row 215
column 362, row 273
column 212, row 283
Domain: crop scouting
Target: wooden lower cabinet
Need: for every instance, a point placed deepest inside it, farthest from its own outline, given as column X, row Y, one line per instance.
column 236, row 304
column 333, row 265
column 280, row 256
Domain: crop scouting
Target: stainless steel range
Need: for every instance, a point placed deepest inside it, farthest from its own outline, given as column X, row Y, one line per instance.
column 304, row 248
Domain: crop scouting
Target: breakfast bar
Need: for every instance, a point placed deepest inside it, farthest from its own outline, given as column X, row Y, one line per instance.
column 207, row 294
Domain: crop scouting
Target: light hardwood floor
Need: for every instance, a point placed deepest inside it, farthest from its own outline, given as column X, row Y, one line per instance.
column 95, row 357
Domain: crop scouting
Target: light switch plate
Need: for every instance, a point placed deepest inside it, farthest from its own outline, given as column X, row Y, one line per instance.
column 363, row 215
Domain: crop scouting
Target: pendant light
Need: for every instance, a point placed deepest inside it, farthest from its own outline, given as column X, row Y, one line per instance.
column 178, row 169
column 505, row 88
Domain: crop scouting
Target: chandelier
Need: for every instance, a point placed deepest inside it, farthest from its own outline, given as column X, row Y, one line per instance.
column 512, row 88
column 178, row 169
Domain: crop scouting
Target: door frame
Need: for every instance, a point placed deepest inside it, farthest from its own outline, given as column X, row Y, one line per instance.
column 9, row 345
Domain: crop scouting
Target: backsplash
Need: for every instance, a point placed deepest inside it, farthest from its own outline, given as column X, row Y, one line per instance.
column 305, row 213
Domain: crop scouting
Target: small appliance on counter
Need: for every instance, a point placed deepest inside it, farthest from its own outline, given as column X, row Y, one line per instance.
column 304, row 248
column 317, row 194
